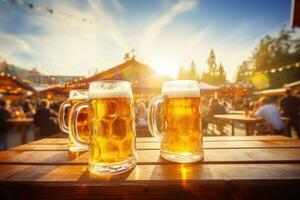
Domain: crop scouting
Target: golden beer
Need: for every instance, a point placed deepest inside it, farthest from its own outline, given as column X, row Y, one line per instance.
column 112, row 130
column 182, row 133
column 112, row 127
column 75, row 96
column 181, row 136
column 82, row 122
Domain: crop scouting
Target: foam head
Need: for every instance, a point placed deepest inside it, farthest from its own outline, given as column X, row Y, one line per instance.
column 181, row 89
column 110, row 89
column 78, row 94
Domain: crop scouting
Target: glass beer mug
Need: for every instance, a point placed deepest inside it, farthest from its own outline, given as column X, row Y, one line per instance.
column 112, row 137
column 75, row 96
column 177, row 114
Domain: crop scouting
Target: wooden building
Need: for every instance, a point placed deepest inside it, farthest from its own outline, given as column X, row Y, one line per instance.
column 144, row 80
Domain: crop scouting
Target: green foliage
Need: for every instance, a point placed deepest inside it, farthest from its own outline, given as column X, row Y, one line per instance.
column 273, row 53
column 189, row 74
column 215, row 75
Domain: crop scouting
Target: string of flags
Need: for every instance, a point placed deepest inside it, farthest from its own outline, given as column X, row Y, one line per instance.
column 273, row 70
column 49, row 10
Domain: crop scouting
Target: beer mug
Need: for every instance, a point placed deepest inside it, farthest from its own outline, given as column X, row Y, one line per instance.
column 75, row 96
column 112, row 137
column 174, row 118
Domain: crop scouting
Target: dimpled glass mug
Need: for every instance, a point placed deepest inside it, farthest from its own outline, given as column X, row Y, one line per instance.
column 181, row 136
column 112, row 124
column 75, row 96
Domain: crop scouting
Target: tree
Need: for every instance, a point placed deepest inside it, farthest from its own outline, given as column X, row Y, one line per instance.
column 273, row 53
column 181, row 74
column 192, row 74
column 221, row 75
column 215, row 75
column 211, row 61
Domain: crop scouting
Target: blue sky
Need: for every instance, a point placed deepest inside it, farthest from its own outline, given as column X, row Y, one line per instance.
column 165, row 33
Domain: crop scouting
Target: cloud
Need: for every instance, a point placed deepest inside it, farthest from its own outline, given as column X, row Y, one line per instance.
column 12, row 44
column 68, row 45
column 117, row 4
column 153, row 29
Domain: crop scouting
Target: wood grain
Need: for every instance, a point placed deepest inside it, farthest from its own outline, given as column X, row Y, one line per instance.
column 55, row 141
column 156, row 145
column 253, row 167
column 267, row 155
column 146, row 173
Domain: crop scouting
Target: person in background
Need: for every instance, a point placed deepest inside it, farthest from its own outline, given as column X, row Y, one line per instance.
column 290, row 107
column 4, row 126
column 226, row 106
column 216, row 108
column 141, row 114
column 55, row 106
column 42, row 119
column 204, row 109
column 28, row 108
column 271, row 115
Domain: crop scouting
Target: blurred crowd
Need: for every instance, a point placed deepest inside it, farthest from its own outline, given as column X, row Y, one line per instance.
column 270, row 110
column 44, row 113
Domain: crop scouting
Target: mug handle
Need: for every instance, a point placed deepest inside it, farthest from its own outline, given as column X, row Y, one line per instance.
column 74, row 135
column 62, row 115
column 152, row 121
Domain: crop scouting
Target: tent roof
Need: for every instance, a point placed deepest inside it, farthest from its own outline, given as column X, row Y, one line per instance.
column 117, row 72
column 206, row 86
column 271, row 92
column 288, row 85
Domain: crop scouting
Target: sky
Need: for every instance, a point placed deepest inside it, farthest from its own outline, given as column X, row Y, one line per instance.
column 80, row 37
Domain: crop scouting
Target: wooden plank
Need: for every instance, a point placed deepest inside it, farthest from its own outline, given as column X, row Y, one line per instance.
column 225, row 138
column 167, row 173
column 58, row 141
column 51, row 141
column 213, row 190
column 234, row 144
column 41, row 147
column 154, row 145
column 267, row 155
column 175, row 181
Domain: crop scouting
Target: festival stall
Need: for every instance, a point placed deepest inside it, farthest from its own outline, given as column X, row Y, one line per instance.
column 13, row 87
column 235, row 89
column 145, row 82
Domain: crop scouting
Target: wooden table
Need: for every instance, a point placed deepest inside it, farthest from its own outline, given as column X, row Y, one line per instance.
column 249, row 122
column 240, row 112
column 253, row 167
column 23, row 124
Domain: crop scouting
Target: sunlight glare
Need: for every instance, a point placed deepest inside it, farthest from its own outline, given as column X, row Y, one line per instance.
column 165, row 66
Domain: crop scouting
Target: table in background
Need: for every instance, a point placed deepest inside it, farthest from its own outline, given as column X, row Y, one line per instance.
column 249, row 122
column 239, row 112
column 240, row 167
column 23, row 124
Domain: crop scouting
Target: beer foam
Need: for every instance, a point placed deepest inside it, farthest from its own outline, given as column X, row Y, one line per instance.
column 113, row 89
column 109, row 94
column 78, row 94
column 182, row 93
column 181, row 89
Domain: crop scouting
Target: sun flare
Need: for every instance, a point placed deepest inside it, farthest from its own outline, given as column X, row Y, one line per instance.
column 165, row 66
